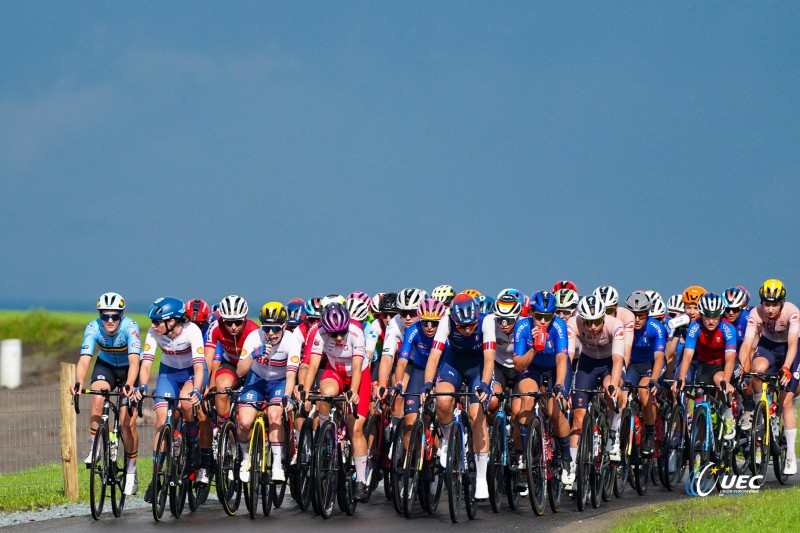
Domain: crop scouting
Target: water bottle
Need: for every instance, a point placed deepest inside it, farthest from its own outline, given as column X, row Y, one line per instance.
column 113, row 446
column 177, row 438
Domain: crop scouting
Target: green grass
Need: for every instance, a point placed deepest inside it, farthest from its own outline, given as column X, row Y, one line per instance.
column 768, row 510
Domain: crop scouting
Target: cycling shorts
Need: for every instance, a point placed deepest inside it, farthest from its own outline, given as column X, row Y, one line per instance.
column 589, row 370
column 539, row 374
column 505, row 376
column 257, row 389
column 472, row 376
column 228, row 368
column 171, row 381
column 364, row 389
column 116, row 376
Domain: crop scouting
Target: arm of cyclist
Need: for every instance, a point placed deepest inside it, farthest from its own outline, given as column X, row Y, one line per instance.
column 355, row 380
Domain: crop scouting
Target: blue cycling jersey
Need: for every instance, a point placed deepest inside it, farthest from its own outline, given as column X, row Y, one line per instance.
column 648, row 340
column 556, row 341
column 741, row 325
column 417, row 343
column 113, row 349
column 466, row 350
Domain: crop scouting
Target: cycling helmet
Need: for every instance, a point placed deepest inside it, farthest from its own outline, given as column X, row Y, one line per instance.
column 166, row 308
column 746, row 293
column 515, row 293
column 638, row 302
column 485, row 304
column 658, row 308
column 772, row 291
column 653, row 296
column 197, row 311
column 358, row 308
column 273, row 313
column 110, row 301
column 431, row 309
column 564, row 284
column 444, row 293
column 409, row 299
column 507, row 308
column 543, row 302
column 471, row 293
column 591, row 308
column 330, row 298
column 607, row 294
column 464, row 310
column 335, row 317
column 566, row 299
column 374, row 304
column 313, row 307
column 363, row 296
column 734, row 297
column 675, row 304
column 711, row 305
column 233, row 308
column 389, row 303
column 296, row 311
column 692, row 294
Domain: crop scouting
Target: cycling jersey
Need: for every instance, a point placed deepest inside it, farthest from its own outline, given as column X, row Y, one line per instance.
column 285, row 357
column 777, row 330
column 374, row 338
column 710, row 346
column 556, row 341
column 741, row 326
column 648, row 340
column 419, row 344
column 625, row 316
column 610, row 341
column 113, row 349
column 466, row 349
column 231, row 345
column 300, row 333
column 504, row 353
column 395, row 331
column 340, row 357
column 313, row 329
column 185, row 350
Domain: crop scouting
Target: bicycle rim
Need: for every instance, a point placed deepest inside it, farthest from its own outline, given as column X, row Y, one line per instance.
column 325, row 471
column 99, row 471
column 411, row 470
column 494, row 474
column 453, row 475
column 396, row 461
column 303, row 465
column 372, row 433
column 470, row 474
column 117, row 473
column 256, row 459
column 162, row 465
column 537, row 475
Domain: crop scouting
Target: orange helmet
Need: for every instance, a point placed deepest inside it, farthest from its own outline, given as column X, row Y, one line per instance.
column 692, row 294
column 472, row 293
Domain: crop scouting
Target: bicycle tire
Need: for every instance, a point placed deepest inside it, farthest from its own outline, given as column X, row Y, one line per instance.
column 584, row 462
column 265, row 488
column 162, row 466
column 495, row 470
column 453, row 479
column 470, row 474
column 229, row 488
column 346, row 483
column 303, row 465
column 537, row 472
column 511, row 471
column 254, row 483
column 554, row 486
column 179, row 482
column 412, row 467
column 623, row 466
column 599, row 463
column 325, row 469
column 117, row 474
column 778, row 447
column 99, row 471
column 698, row 455
column 759, row 461
column 373, row 433
column 396, row 460
column 430, row 493
column 672, row 448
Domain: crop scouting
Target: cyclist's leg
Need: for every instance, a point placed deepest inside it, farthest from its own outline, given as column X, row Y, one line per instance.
column 103, row 376
column 254, row 390
column 275, row 393
column 449, row 380
column 225, row 377
column 416, row 378
column 528, row 382
column 790, row 417
column 356, row 429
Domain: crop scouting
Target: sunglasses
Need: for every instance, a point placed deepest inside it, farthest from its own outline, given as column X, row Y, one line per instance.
column 732, row 309
column 595, row 322
column 113, row 317
column 506, row 321
column 157, row 321
column 465, row 327
column 542, row 316
column 338, row 334
column 407, row 314
column 611, row 310
column 237, row 322
column 430, row 323
column 563, row 312
column 271, row 329
column 640, row 316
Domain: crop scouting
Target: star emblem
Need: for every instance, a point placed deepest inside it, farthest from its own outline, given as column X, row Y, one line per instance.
column 714, row 470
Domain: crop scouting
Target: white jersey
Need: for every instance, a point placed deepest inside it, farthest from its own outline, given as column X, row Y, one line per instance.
column 185, row 350
column 340, row 357
column 299, row 336
column 504, row 354
column 372, row 336
column 285, row 357
column 395, row 333
column 610, row 341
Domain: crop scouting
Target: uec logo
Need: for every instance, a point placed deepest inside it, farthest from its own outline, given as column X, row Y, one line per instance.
column 703, row 480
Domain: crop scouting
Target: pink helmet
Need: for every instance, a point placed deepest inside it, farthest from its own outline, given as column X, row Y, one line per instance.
column 431, row 309
column 358, row 295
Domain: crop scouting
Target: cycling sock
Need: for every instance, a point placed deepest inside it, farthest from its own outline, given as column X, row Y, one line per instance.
column 615, row 421
column 446, row 431
column 523, row 435
column 277, row 454
column 482, row 463
column 361, row 468
column 573, row 453
column 791, row 436
column 565, row 449
column 205, row 457
column 192, row 431
column 130, row 462
column 748, row 402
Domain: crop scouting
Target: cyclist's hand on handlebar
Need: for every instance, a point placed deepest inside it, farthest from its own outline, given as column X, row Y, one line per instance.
column 612, row 391
column 652, row 384
column 196, row 396
column 728, row 389
column 352, row 396
column 559, row 391
column 289, row 402
column 786, row 376
column 139, row 392
column 482, row 391
column 76, row 390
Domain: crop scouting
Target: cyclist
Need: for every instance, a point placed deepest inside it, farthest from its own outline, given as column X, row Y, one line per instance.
column 296, row 319
column 471, row 342
column 313, row 309
column 269, row 361
column 384, row 310
column 602, row 340
column 714, row 343
column 506, row 310
column 564, row 285
column 610, row 298
column 359, row 311
column 682, row 310
column 647, row 361
column 485, row 304
column 117, row 365
column 566, row 303
column 199, row 313
column 541, row 352
column 444, row 293
column 182, row 372
column 341, row 342
column 776, row 322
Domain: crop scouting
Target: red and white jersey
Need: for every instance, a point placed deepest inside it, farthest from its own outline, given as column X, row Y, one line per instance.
column 340, row 356
column 232, row 347
column 610, row 341
column 185, row 350
column 625, row 316
column 300, row 333
column 285, row 357
column 777, row 330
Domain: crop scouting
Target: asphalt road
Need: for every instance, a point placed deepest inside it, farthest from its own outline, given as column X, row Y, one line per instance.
column 377, row 515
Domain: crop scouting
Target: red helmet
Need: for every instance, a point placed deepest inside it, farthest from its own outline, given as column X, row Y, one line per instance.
column 564, row 284
column 197, row 310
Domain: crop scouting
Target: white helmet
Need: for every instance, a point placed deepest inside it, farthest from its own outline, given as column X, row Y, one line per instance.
column 591, row 308
column 675, row 304
column 409, row 299
column 331, row 298
column 110, row 301
column 659, row 308
column 653, row 295
column 233, row 308
column 358, row 308
column 374, row 305
column 607, row 294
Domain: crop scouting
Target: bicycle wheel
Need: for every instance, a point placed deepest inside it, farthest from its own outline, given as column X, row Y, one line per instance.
column 325, row 468
column 470, row 474
column 622, row 467
column 759, row 459
column 742, row 442
column 698, row 454
column 373, row 432
column 346, row 483
column 396, row 460
column 432, row 476
column 495, row 471
column 455, row 449
column 162, row 467
column 537, row 473
column 412, row 467
column 229, row 488
column 277, row 490
column 303, row 465
column 601, row 486
column 256, row 460
column 585, row 461
column 778, row 447
column 266, row 474
column 179, row 482
column 641, row 476
column 554, row 480
column 99, row 471
column 671, row 459
column 116, row 472
column 510, row 471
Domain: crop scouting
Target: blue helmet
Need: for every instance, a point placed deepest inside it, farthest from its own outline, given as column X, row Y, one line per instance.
column 543, row 302
column 464, row 310
column 166, row 308
column 297, row 311
column 485, row 303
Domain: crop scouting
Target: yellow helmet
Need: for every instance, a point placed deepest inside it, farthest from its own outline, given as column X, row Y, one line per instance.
column 471, row 293
column 273, row 313
column 692, row 294
column 772, row 291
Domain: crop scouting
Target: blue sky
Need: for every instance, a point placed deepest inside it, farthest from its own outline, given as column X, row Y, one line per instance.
column 278, row 149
